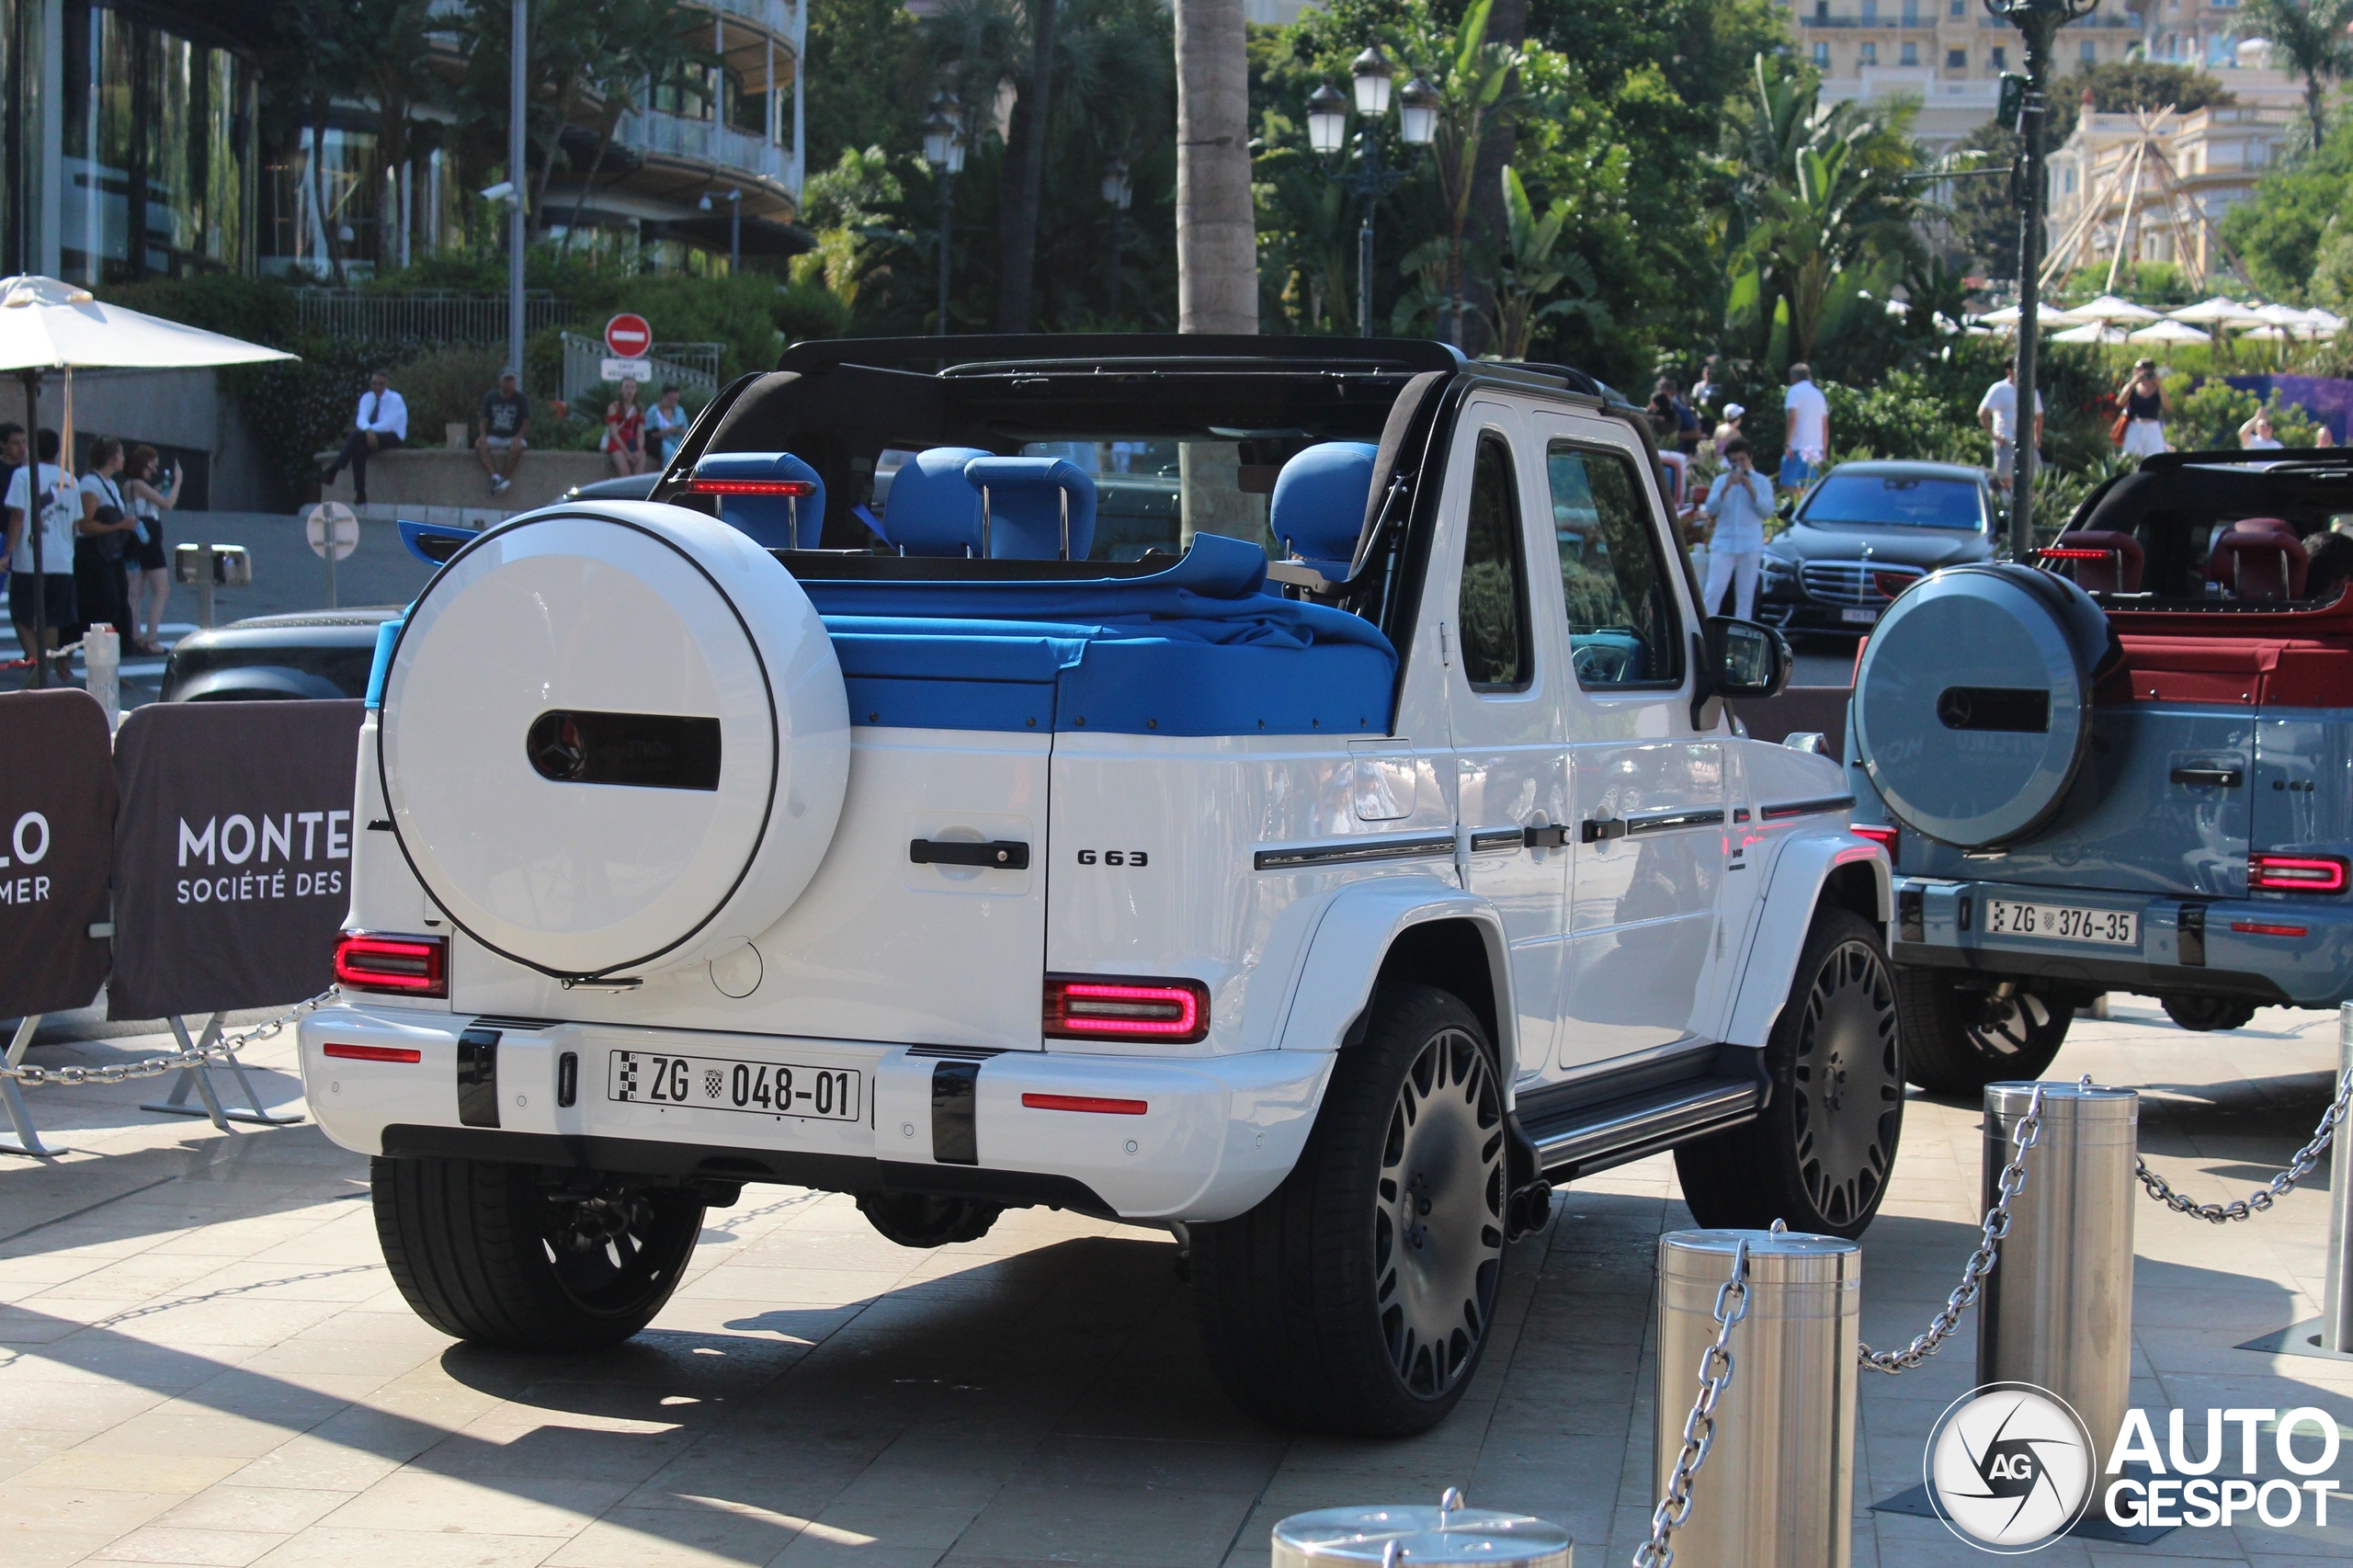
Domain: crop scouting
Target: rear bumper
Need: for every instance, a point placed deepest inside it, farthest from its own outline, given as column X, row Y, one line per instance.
column 1217, row 1134
column 2277, row 952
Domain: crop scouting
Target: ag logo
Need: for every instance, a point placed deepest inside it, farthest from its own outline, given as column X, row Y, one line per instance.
column 2009, row 1467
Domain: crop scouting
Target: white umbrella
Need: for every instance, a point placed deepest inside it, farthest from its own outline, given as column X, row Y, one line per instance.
column 2168, row 332
column 2090, row 332
column 2281, row 315
column 49, row 326
column 2322, row 318
column 2215, row 311
column 2006, row 316
column 2108, row 308
column 2266, row 333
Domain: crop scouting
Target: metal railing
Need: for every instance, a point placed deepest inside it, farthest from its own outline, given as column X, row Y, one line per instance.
column 431, row 315
column 651, row 131
column 690, row 365
column 773, row 14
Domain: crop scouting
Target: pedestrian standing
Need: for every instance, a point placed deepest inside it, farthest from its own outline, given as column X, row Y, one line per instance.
column 42, row 490
column 101, row 588
column 1739, row 504
column 1704, row 392
column 379, row 425
column 1728, row 431
column 2145, row 411
column 151, row 493
column 1807, row 442
column 1997, row 415
column 625, row 431
column 665, row 426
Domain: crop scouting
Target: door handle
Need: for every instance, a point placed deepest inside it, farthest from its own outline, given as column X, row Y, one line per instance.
column 2228, row 777
column 1543, row 837
column 1602, row 829
column 1002, row 856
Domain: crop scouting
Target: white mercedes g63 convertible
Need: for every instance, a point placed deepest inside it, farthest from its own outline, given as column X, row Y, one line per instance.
column 1275, row 789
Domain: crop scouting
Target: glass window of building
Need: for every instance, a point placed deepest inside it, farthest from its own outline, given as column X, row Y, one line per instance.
column 1822, row 57
column 1911, row 54
column 2088, row 51
column 1955, row 60
column 1870, row 13
column 1911, row 13
column 1998, row 60
column 1871, row 54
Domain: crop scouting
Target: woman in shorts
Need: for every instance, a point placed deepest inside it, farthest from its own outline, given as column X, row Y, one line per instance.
column 150, row 494
column 625, row 432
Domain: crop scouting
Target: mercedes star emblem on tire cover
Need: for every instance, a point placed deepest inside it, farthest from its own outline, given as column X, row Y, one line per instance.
column 1972, row 707
column 614, row 738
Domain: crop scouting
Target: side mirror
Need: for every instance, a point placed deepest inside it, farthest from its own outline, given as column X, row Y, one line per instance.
column 1746, row 659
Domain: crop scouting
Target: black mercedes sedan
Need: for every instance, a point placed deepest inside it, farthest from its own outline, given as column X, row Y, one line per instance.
column 1865, row 533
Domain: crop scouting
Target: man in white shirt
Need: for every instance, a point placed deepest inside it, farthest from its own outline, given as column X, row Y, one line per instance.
column 1998, row 414
column 40, row 593
column 380, row 424
column 1807, row 439
column 1740, row 503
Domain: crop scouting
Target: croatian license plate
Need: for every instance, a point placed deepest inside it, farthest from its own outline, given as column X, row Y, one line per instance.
column 716, row 1083
column 1860, row 616
column 2107, row 927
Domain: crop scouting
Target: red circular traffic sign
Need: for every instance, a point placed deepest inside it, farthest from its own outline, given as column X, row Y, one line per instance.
column 627, row 337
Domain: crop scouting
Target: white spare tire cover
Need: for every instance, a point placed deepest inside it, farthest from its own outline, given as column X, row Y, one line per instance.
column 1973, row 701
column 614, row 738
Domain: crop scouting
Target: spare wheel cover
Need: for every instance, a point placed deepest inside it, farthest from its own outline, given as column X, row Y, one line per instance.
column 1972, row 706
column 613, row 738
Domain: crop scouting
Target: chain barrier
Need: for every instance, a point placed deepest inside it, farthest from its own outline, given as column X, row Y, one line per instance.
column 1700, row 1426
column 33, row 1075
column 2271, row 1191
column 1997, row 1225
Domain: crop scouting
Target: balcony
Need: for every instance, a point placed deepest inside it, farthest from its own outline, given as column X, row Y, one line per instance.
column 705, row 141
column 773, row 14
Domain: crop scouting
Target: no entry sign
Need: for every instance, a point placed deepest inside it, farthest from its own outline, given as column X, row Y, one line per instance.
column 627, row 337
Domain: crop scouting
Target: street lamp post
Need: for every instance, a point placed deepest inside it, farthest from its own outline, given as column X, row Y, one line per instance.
column 2038, row 22
column 943, row 149
column 1327, row 127
column 1119, row 192
column 734, row 231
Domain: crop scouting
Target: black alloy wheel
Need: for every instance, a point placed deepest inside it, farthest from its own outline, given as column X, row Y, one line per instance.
column 1438, row 1218
column 1962, row 1033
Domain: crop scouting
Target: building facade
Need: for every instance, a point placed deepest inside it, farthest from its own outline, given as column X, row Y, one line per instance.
column 2158, row 185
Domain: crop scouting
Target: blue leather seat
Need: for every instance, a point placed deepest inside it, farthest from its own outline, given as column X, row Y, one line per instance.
column 932, row 510
column 1319, row 503
column 777, row 519
column 1026, row 498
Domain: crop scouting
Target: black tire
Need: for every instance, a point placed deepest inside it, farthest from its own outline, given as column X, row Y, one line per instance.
column 1820, row 1154
column 1958, row 1037
column 928, row 1220
column 2205, row 1014
column 1357, row 1299
column 487, row 1253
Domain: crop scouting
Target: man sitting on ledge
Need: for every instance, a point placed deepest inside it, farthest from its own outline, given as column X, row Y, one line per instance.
column 506, row 420
column 380, row 424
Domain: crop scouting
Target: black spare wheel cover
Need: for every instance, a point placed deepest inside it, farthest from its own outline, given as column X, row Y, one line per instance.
column 1973, row 704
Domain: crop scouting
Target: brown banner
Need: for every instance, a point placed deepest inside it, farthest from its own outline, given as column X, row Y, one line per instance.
column 231, row 854
column 57, row 800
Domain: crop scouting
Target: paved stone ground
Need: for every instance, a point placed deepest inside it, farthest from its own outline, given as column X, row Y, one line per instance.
column 203, row 1361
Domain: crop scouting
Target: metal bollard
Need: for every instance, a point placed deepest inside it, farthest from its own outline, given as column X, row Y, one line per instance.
column 102, row 666
column 2336, row 1297
column 1449, row 1533
column 2057, row 1311
column 1777, row 1490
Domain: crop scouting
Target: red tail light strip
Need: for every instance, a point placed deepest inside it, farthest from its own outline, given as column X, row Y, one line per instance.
column 2073, row 552
column 1887, row 838
column 1100, row 1106
column 799, row 489
column 407, row 966
column 2264, row 929
column 1097, row 1007
column 2296, row 873
column 374, row 1053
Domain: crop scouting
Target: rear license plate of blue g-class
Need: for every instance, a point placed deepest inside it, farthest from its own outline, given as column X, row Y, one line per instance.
column 718, row 1083
column 2067, row 922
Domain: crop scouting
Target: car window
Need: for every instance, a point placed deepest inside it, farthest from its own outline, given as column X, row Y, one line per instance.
column 1623, row 630
column 1493, row 606
column 1896, row 500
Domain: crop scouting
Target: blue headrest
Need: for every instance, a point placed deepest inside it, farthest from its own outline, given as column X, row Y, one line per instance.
column 769, row 517
column 1320, row 500
column 1025, row 499
column 931, row 510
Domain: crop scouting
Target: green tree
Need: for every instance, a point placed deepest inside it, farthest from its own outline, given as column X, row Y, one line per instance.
column 628, row 48
column 863, row 80
column 2308, row 40
column 1532, row 268
column 2299, row 207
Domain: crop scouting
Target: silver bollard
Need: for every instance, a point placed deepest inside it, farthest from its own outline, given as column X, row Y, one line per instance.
column 1449, row 1533
column 2057, row 1311
column 1777, row 1489
column 102, row 662
column 2336, row 1297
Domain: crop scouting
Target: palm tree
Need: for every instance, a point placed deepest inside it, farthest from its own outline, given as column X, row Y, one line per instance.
column 1833, row 217
column 1217, row 239
column 1530, row 271
column 1471, row 76
column 2308, row 40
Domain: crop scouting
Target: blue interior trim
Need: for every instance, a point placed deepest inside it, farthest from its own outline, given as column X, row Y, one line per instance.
column 769, row 519
column 413, row 535
column 386, row 635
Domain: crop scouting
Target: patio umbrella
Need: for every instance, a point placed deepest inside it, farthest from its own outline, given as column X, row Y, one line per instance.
column 2168, row 332
column 2213, row 312
column 2109, row 308
column 49, row 326
column 2007, row 316
column 2090, row 332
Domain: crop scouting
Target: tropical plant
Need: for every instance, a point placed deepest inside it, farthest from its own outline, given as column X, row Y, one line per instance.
column 1531, row 268
column 1471, row 77
column 2308, row 40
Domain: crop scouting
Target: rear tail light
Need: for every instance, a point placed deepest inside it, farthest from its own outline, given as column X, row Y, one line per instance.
column 1086, row 1006
column 1095, row 1103
column 1887, row 838
column 798, row 489
column 374, row 1053
column 406, row 966
column 2296, row 873
column 2267, row 929
column 2073, row 552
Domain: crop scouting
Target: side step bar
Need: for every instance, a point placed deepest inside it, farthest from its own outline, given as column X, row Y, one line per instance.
column 1593, row 1137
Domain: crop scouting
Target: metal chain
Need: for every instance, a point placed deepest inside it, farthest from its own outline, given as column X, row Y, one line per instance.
column 32, row 1074
column 1997, row 1225
column 1700, row 1426
column 2270, row 1192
